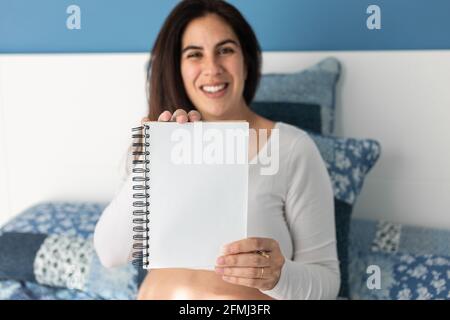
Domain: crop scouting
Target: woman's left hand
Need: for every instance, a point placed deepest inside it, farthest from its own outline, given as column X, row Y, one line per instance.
column 251, row 262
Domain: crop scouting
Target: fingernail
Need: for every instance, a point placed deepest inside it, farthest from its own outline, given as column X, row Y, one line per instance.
column 220, row 260
column 181, row 119
column 223, row 250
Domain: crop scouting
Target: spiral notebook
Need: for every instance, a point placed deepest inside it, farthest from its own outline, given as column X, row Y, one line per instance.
column 190, row 192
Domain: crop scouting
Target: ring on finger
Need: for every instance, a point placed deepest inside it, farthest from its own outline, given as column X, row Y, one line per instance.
column 263, row 253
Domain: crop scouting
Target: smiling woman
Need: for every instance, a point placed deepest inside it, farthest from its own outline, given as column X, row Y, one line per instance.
column 206, row 64
column 213, row 68
column 198, row 35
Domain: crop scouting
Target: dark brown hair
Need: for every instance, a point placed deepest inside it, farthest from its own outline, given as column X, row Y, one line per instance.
column 165, row 85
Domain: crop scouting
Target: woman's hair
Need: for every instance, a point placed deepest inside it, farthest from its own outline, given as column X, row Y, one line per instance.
column 164, row 81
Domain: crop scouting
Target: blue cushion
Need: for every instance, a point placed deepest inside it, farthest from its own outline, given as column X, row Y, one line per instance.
column 414, row 262
column 63, row 218
column 403, row 276
column 314, row 85
column 62, row 253
column 302, row 115
column 348, row 161
column 18, row 253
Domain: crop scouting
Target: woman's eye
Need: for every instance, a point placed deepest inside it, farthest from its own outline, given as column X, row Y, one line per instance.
column 226, row 50
column 194, row 55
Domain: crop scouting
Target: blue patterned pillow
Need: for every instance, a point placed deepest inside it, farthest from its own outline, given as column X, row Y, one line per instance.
column 302, row 115
column 314, row 85
column 348, row 161
column 403, row 276
column 414, row 262
column 63, row 218
column 60, row 252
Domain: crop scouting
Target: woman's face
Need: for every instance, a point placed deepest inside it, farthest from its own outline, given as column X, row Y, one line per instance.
column 213, row 68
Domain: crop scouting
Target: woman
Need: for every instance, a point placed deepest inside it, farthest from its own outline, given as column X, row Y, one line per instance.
column 205, row 65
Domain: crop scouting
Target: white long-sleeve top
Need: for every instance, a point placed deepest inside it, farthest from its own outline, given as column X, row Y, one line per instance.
column 294, row 206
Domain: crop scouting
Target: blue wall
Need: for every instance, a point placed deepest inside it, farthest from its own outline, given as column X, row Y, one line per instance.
column 281, row 25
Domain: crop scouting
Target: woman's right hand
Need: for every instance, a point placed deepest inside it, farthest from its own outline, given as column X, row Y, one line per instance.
column 180, row 116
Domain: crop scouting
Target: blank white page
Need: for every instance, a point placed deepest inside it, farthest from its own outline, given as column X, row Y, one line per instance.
column 199, row 205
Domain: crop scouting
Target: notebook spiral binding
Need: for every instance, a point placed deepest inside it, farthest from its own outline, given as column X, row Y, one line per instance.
column 141, row 198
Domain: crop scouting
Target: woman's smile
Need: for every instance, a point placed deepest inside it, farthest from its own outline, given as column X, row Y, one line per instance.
column 214, row 90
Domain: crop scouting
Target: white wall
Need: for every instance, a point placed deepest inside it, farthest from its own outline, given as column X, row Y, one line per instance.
column 65, row 125
column 5, row 208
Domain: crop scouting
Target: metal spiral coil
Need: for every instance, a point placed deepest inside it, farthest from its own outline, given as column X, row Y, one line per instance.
column 141, row 196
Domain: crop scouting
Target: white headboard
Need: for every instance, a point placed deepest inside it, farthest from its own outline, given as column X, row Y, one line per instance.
column 65, row 126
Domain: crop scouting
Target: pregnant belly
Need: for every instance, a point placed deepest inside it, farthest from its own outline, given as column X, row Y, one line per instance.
column 187, row 284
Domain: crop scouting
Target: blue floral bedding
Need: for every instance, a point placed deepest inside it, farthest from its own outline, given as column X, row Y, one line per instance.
column 415, row 262
column 61, row 219
column 23, row 290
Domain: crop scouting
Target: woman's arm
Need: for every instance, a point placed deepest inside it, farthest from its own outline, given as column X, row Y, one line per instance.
column 113, row 232
column 314, row 271
column 113, row 236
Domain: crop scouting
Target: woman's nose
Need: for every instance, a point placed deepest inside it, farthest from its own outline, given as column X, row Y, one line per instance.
column 212, row 67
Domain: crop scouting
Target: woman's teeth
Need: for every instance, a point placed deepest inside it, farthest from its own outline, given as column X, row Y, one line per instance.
column 214, row 89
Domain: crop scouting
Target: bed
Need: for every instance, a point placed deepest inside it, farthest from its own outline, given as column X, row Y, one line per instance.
column 65, row 198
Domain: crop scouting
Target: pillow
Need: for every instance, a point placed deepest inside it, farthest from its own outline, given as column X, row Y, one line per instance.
column 314, row 85
column 64, row 262
column 414, row 261
column 302, row 115
column 51, row 244
column 62, row 218
column 348, row 161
